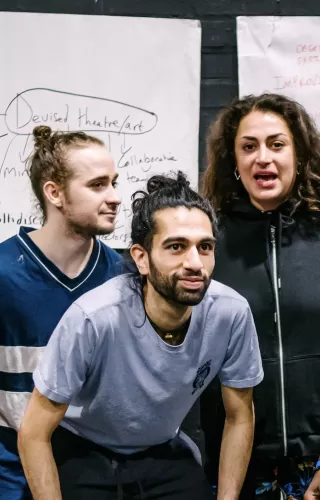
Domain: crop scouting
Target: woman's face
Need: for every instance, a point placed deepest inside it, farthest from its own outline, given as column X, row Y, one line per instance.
column 265, row 158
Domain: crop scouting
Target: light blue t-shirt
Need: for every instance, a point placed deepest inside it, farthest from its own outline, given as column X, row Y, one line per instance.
column 129, row 390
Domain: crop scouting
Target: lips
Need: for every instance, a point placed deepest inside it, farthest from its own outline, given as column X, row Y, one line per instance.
column 192, row 283
column 265, row 179
column 193, row 279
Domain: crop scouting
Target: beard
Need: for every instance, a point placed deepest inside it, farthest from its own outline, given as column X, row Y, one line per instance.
column 84, row 226
column 170, row 289
column 83, row 223
column 87, row 230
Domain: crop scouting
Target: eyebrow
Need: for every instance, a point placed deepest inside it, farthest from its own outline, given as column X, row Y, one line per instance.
column 273, row 136
column 181, row 239
column 103, row 178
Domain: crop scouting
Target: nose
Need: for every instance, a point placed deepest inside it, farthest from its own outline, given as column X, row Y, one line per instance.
column 113, row 197
column 263, row 157
column 192, row 260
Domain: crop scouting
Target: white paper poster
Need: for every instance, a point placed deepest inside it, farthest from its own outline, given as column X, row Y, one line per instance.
column 281, row 55
column 132, row 82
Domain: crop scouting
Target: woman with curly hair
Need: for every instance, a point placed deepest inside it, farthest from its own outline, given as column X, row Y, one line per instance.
column 263, row 178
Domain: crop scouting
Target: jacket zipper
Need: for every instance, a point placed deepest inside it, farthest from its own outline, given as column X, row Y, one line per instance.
column 277, row 286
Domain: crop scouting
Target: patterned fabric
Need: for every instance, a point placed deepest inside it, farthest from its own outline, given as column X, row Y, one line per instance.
column 287, row 480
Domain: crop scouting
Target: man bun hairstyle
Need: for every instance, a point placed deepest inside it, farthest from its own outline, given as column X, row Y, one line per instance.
column 164, row 191
column 49, row 159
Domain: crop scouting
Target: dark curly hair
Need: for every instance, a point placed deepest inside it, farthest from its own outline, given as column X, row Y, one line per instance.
column 219, row 183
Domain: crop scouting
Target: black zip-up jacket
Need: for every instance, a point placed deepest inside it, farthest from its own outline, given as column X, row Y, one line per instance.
column 287, row 402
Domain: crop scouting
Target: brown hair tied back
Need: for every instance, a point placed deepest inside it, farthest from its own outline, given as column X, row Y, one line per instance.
column 41, row 135
column 49, row 159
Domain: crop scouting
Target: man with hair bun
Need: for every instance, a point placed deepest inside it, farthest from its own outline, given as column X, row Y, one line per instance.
column 43, row 271
column 128, row 360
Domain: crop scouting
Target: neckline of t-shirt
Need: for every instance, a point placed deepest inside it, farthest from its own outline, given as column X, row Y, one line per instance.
column 168, row 347
column 51, row 269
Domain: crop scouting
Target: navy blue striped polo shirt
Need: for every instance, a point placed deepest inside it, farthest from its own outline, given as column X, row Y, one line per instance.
column 34, row 294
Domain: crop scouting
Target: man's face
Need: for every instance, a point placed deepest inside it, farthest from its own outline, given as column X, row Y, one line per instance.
column 90, row 200
column 181, row 260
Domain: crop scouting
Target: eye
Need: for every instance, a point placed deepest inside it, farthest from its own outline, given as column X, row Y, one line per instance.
column 277, row 145
column 248, row 147
column 97, row 184
column 206, row 247
column 175, row 247
column 115, row 184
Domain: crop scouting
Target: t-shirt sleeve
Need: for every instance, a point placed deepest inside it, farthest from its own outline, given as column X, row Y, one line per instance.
column 67, row 358
column 242, row 366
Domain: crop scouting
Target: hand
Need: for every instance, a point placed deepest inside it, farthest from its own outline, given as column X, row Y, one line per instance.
column 313, row 492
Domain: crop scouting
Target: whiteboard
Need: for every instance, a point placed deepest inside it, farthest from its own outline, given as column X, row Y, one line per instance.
column 132, row 82
column 281, row 55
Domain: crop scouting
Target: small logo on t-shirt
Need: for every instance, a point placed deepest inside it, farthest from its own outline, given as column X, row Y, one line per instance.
column 202, row 374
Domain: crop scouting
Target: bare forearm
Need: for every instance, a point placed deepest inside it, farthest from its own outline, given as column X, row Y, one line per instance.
column 234, row 457
column 40, row 469
column 313, row 490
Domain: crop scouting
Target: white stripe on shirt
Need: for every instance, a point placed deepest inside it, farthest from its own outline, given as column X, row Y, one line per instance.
column 12, row 408
column 19, row 359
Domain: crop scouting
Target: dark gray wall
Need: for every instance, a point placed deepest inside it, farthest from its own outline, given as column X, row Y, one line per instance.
column 218, row 19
